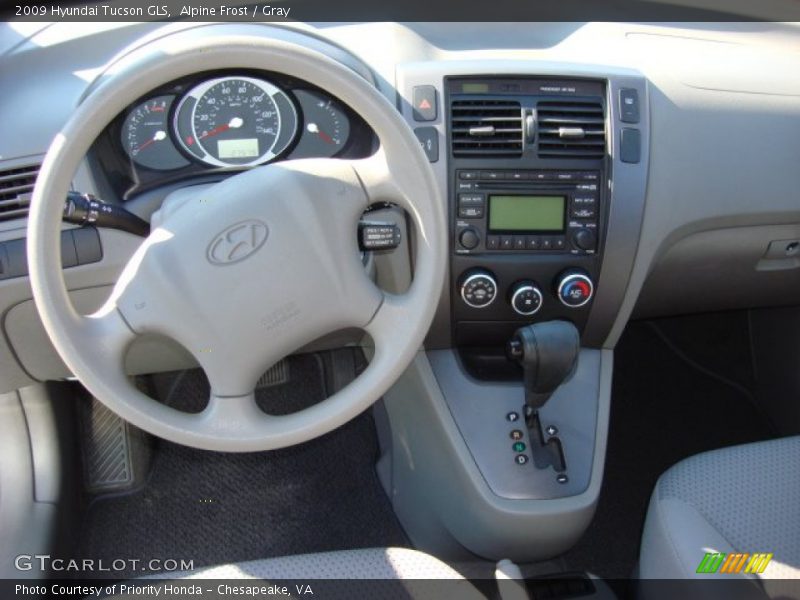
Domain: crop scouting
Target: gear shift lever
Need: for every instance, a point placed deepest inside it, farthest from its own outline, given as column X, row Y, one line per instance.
column 547, row 352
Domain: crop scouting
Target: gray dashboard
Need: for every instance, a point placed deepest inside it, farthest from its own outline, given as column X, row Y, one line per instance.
column 704, row 222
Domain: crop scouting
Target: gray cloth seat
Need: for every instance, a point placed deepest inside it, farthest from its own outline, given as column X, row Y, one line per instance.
column 743, row 499
column 423, row 575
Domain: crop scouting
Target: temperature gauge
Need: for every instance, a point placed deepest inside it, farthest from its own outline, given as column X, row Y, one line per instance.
column 326, row 127
column 145, row 136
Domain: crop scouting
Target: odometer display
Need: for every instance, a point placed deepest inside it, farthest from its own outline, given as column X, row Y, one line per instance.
column 246, row 148
column 235, row 121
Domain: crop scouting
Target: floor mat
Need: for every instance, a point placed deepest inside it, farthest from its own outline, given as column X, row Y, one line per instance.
column 663, row 408
column 214, row 507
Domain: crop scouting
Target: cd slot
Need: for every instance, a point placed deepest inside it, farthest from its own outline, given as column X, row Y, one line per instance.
column 524, row 185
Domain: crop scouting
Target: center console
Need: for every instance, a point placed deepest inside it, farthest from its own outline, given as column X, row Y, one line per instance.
column 528, row 193
column 498, row 430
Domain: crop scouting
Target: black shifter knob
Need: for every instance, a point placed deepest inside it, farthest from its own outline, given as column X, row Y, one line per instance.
column 547, row 352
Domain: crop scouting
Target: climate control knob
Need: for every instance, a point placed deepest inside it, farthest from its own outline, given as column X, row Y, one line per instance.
column 478, row 288
column 526, row 298
column 574, row 288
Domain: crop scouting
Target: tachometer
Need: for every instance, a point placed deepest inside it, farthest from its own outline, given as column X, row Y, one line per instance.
column 145, row 136
column 235, row 121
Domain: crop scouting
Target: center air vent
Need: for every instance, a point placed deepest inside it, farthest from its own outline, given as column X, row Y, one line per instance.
column 16, row 186
column 486, row 127
column 571, row 129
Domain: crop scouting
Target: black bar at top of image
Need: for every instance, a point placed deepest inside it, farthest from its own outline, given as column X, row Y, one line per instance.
column 402, row 10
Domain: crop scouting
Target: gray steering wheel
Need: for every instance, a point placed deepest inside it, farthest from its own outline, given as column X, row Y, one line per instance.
column 297, row 277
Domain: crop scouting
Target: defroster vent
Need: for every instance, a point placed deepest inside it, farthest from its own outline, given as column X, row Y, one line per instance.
column 486, row 127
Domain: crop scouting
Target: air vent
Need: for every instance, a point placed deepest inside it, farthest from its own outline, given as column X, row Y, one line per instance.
column 571, row 129
column 16, row 186
column 486, row 127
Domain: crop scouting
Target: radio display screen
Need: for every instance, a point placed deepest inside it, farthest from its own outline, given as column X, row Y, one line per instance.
column 527, row 213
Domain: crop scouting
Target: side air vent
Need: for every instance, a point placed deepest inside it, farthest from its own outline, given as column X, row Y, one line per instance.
column 571, row 129
column 16, row 186
column 486, row 127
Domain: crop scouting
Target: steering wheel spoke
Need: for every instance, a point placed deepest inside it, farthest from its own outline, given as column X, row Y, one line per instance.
column 109, row 336
column 232, row 415
column 383, row 183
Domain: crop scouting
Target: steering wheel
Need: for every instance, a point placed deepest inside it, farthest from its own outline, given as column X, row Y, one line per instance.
column 289, row 270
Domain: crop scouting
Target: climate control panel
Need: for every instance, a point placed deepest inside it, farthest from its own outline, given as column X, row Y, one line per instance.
column 571, row 289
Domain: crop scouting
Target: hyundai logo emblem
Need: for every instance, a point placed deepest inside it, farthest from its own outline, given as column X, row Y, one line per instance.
column 237, row 242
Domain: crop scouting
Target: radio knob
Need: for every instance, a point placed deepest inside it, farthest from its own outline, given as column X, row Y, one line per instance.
column 469, row 238
column 478, row 288
column 526, row 298
column 584, row 239
column 574, row 288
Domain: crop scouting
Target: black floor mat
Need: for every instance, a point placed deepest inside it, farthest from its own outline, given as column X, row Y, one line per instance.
column 665, row 407
column 214, row 507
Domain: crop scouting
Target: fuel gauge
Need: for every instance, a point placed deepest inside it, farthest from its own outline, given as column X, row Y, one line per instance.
column 326, row 127
column 145, row 136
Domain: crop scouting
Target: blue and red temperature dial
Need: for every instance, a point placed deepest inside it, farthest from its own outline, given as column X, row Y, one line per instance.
column 574, row 289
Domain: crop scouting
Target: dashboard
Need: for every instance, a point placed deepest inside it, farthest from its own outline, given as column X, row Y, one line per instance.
column 216, row 122
column 593, row 172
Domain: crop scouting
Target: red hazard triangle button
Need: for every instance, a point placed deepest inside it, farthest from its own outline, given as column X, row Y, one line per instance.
column 424, row 103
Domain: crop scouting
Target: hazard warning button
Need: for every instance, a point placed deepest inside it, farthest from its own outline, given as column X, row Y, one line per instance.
column 425, row 107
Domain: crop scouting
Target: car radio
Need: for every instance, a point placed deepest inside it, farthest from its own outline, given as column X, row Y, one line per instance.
column 549, row 211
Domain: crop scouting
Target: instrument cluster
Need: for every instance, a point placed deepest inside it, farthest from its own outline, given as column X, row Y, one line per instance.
column 226, row 121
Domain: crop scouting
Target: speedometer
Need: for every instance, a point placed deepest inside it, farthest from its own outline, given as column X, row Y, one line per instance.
column 235, row 121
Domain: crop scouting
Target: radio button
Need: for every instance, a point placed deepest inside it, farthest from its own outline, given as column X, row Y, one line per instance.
column 532, row 242
column 468, row 175
column 471, row 199
column 506, row 242
column 465, row 186
column 469, row 238
column 559, row 243
column 493, row 175
column 590, row 187
column 583, row 212
column 493, row 242
column 584, row 239
column 517, row 175
column 470, row 212
column 519, row 242
column 547, row 244
column 584, row 200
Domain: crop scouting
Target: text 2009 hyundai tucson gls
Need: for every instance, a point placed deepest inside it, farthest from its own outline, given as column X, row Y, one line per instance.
column 507, row 304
